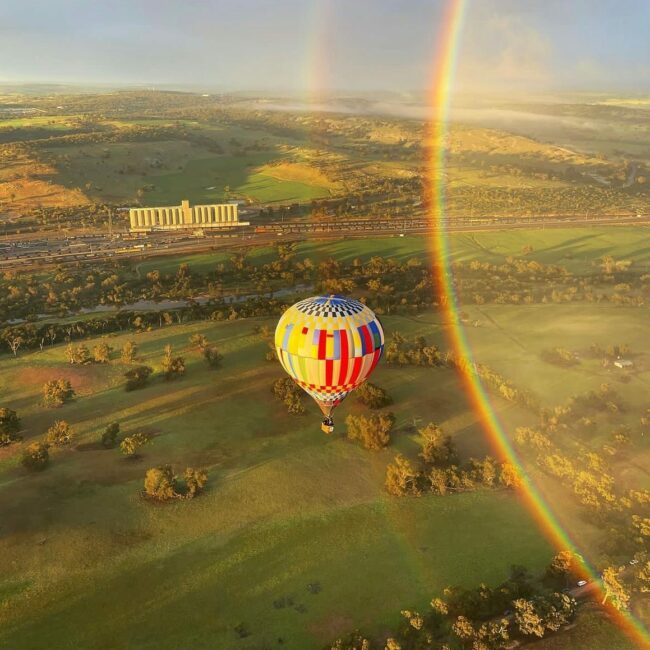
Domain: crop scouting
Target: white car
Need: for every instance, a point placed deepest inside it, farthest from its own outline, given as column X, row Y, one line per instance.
column 582, row 583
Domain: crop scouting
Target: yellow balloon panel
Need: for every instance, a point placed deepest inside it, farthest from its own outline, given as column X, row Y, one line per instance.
column 329, row 345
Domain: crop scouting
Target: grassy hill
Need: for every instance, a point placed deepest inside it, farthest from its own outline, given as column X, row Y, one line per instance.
column 87, row 561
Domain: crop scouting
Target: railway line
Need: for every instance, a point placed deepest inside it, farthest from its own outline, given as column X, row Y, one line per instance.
column 17, row 255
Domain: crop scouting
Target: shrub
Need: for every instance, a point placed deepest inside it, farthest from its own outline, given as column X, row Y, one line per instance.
column 59, row 434
column 372, row 432
column 559, row 357
column 290, row 394
column 102, row 353
column 109, row 437
column 36, row 456
column 77, row 354
column 195, row 480
column 373, row 396
column 137, row 377
column 132, row 443
column 128, row 352
column 9, row 426
column 437, row 448
column 56, row 392
column 212, row 356
column 198, row 341
column 172, row 366
column 402, row 478
column 160, row 483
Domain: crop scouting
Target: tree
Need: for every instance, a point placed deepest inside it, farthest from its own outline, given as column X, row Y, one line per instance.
column 372, row 396
column 102, row 353
column 56, row 392
column 615, row 588
column 14, row 343
column 137, row 377
column 109, row 436
column 353, row 641
column 437, row 448
column 562, row 567
column 402, row 478
column 527, row 618
column 372, row 432
column 212, row 356
column 642, row 578
column 172, row 366
column 509, row 476
column 440, row 479
column 59, row 434
column 131, row 444
column 535, row 617
column 129, row 352
column 36, row 456
column 160, row 483
column 287, row 391
column 195, row 480
column 463, row 628
column 198, row 342
column 9, row 426
column 484, row 471
column 77, row 354
column 267, row 336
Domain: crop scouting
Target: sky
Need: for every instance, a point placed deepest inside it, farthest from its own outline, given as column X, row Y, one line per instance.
column 304, row 46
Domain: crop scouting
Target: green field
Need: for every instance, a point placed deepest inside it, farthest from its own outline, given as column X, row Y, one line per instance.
column 238, row 173
column 88, row 562
column 85, row 561
column 48, row 122
column 115, row 172
column 578, row 249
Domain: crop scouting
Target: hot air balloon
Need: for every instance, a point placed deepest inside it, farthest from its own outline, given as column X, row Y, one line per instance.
column 329, row 345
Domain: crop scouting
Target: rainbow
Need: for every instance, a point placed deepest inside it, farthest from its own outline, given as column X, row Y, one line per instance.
column 439, row 105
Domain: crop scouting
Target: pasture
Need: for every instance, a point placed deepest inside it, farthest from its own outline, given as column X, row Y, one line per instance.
column 172, row 170
column 578, row 249
column 294, row 539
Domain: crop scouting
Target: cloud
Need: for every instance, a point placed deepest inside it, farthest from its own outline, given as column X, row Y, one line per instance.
column 504, row 52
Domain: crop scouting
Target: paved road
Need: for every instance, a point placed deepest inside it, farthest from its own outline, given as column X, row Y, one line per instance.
column 47, row 251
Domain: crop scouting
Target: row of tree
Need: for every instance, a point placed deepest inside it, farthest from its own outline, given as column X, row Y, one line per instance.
column 438, row 470
column 520, row 609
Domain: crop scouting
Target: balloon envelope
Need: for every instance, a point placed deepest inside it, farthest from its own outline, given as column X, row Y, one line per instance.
column 329, row 345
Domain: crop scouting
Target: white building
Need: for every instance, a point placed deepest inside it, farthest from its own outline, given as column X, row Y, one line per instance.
column 180, row 217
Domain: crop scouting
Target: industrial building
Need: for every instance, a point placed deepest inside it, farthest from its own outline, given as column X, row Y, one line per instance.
column 183, row 217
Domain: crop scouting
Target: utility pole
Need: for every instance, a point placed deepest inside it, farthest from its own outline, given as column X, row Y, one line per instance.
column 110, row 222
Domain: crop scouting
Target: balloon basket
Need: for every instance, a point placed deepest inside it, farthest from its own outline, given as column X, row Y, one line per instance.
column 327, row 426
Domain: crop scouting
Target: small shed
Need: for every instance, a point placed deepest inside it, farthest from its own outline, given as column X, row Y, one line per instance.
column 623, row 363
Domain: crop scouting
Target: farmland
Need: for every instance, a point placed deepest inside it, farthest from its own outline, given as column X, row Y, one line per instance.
column 298, row 538
column 286, row 507
column 295, row 537
column 156, row 148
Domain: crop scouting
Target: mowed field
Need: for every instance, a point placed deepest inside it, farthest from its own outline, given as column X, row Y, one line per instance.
column 177, row 169
column 85, row 561
column 166, row 170
column 578, row 249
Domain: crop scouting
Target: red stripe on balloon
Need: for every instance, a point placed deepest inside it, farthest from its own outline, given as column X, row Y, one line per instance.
column 367, row 339
column 356, row 370
column 322, row 344
column 344, row 357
